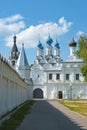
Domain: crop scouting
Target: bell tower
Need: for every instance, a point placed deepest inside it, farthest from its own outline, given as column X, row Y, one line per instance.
column 14, row 54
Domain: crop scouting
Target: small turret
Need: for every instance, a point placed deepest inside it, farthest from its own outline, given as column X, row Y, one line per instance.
column 14, row 48
column 22, row 60
column 57, row 51
column 40, row 53
column 14, row 54
column 49, row 48
column 72, row 46
column 22, row 65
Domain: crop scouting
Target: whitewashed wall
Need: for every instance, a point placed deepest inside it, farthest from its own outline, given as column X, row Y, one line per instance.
column 71, row 89
column 13, row 90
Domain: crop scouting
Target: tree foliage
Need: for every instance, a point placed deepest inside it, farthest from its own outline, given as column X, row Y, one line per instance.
column 82, row 53
column 84, row 71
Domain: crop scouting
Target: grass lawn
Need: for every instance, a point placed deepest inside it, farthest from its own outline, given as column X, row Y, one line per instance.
column 77, row 106
column 17, row 117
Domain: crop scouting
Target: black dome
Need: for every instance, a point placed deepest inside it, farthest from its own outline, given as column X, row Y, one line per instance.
column 73, row 43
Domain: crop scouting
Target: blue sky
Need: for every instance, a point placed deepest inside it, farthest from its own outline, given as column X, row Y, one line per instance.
column 32, row 20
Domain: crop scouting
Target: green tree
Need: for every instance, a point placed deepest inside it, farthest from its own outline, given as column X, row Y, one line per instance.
column 82, row 53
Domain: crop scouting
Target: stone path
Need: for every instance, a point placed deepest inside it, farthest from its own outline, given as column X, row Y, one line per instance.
column 50, row 115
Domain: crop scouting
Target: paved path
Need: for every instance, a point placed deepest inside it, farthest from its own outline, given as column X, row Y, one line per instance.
column 50, row 115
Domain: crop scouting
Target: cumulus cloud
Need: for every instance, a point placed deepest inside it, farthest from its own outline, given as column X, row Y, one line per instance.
column 31, row 35
column 11, row 25
column 11, row 19
column 79, row 33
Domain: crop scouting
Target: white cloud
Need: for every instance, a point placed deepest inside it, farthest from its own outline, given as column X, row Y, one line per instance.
column 11, row 25
column 79, row 33
column 31, row 35
column 11, row 19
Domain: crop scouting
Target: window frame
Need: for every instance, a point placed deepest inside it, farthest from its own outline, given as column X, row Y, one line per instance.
column 67, row 77
column 50, row 76
column 77, row 76
column 58, row 76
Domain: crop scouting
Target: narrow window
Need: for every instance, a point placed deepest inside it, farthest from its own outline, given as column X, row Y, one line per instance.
column 67, row 76
column 13, row 63
column 38, row 76
column 57, row 76
column 77, row 76
column 50, row 76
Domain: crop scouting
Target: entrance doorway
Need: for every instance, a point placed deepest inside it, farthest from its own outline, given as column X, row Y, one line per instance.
column 38, row 93
column 60, row 94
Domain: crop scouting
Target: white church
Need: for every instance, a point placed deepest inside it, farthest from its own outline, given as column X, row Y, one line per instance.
column 50, row 76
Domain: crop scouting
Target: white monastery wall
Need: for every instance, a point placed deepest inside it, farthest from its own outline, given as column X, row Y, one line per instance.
column 13, row 90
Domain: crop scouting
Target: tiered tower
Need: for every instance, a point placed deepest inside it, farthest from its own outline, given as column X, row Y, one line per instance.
column 14, row 54
column 19, row 61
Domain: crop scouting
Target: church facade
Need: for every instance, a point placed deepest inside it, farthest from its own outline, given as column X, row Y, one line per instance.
column 51, row 76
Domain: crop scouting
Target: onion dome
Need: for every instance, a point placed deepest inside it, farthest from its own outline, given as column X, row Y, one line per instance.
column 14, row 48
column 14, row 39
column 40, row 46
column 49, row 41
column 73, row 43
column 57, row 45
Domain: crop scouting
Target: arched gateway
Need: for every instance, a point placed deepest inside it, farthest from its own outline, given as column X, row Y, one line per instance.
column 38, row 93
